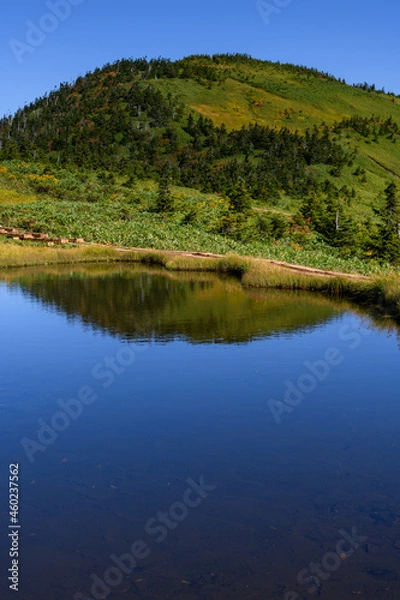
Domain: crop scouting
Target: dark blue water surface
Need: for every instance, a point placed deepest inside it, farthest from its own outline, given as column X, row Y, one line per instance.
column 181, row 472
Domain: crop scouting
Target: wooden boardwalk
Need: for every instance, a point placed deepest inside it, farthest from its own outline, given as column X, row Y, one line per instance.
column 16, row 234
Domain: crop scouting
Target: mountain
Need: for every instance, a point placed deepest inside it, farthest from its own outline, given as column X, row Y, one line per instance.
column 264, row 134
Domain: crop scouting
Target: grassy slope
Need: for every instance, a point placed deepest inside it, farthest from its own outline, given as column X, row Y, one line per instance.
column 274, row 95
column 261, row 92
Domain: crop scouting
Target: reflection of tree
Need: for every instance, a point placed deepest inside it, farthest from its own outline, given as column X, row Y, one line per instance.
column 137, row 303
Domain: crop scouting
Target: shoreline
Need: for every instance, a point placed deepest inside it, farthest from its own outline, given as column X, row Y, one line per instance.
column 50, row 252
column 379, row 293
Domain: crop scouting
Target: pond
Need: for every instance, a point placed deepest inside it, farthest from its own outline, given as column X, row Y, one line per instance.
column 180, row 437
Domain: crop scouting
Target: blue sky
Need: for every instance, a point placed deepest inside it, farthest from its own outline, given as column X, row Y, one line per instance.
column 357, row 40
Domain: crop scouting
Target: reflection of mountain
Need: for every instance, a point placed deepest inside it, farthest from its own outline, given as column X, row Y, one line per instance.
column 137, row 302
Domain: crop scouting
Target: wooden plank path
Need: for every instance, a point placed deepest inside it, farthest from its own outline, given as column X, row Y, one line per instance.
column 17, row 234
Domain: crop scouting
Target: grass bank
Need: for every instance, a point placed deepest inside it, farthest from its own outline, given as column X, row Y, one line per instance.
column 380, row 293
column 25, row 254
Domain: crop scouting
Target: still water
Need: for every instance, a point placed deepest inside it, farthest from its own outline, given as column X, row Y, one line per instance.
column 181, row 438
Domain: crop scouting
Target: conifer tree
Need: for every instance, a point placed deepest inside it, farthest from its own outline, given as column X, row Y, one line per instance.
column 165, row 201
column 240, row 197
column 389, row 240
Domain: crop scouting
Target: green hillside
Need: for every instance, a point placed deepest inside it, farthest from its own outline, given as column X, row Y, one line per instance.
column 239, row 90
column 257, row 151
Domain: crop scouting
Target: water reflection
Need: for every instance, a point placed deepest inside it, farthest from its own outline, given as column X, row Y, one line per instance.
column 136, row 303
